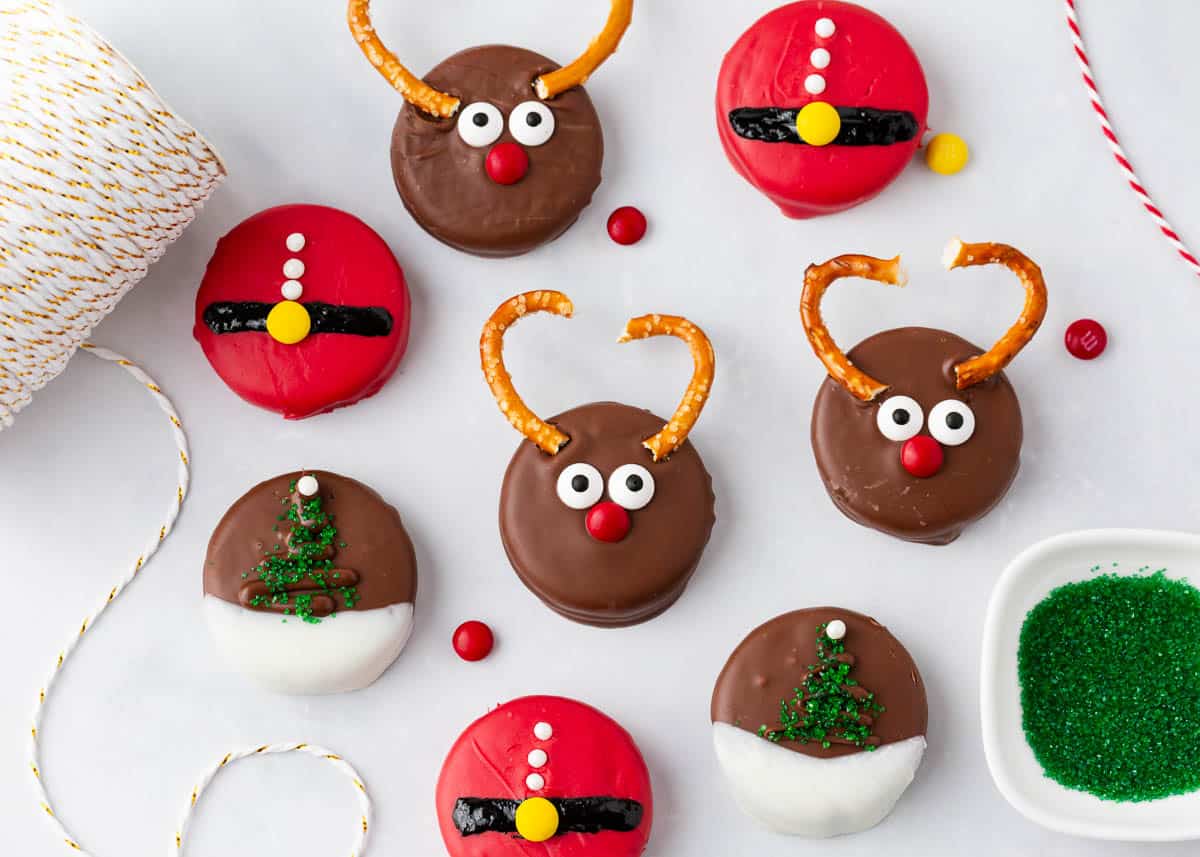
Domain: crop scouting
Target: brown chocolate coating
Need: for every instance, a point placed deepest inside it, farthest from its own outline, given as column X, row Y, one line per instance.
column 377, row 548
column 443, row 182
column 774, row 658
column 599, row 583
column 861, row 468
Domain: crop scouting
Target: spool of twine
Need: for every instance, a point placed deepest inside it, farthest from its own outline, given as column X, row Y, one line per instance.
column 97, row 177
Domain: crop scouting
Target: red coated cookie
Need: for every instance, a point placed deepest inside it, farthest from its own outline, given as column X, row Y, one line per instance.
column 544, row 776
column 868, row 106
column 303, row 309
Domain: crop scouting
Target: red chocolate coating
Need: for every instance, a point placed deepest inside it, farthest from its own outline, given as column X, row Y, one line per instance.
column 774, row 658
column 347, row 264
column 578, row 575
column 862, row 470
column 871, row 65
column 444, row 182
column 588, row 755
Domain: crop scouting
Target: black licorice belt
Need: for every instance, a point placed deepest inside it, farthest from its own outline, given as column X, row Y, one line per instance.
column 474, row 815
column 861, row 126
column 251, row 316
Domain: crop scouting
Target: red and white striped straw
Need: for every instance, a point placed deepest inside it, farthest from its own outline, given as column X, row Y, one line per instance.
column 1114, row 144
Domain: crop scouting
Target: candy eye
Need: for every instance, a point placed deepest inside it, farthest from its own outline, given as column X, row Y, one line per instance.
column 580, row 485
column 951, row 422
column 531, row 123
column 899, row 418
column 480, row 124
column 631, row 486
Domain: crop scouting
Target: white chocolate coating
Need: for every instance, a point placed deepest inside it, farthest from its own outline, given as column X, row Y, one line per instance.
column 343, row 653
column 800, row 795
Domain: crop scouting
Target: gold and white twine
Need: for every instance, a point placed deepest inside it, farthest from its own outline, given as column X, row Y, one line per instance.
column 151, row 547
column 97, row 177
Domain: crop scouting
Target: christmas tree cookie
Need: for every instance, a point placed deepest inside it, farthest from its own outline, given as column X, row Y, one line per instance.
column 309, row 584
column 819, row 722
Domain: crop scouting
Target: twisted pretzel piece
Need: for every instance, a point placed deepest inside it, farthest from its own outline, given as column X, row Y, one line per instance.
column 675, row 432
column 415, row 91
column 600, row 49
column 817, row 279
column 960, row 255
column 491, row 356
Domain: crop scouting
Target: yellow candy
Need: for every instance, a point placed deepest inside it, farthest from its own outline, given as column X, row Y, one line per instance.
column 288, row 322
column 946, row 154
column 537, row 819
column 818, row 123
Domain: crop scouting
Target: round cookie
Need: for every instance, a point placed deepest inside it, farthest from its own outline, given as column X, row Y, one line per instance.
column 935, row 443
column 866, row 102
column 497, row 149
column 444, row 181
column 309, row 584
column 545, row 775
column 553, row 549
column 303, row 309
column 864, row 471
column 605, row 509
column 840, row 767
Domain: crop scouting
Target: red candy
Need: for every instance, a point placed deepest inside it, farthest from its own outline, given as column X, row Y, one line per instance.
column 820, row 50
column 922, row 456
column 473, row 641
column 346, row 267
column 507, row 163
column 1086, row 339
column 608, row 522
column 627, row 225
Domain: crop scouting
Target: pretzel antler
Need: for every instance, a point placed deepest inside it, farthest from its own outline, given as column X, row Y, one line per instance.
column 491, row 355
column 675, row 432
column 600, row 49
column 818, row 278
column 960, row 255
column 415, row 91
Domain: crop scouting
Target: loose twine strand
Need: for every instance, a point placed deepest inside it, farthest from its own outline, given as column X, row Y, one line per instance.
column 97, row 177
column 152, row 545
column 1110, row 136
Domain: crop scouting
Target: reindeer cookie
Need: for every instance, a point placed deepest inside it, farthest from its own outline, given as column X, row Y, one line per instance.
column 548, row 776
column 605, row 511
column 303, row 309
column 820, row 105
column 936, row 442
column 819, row 722
column 497, row 150
column 309, row 584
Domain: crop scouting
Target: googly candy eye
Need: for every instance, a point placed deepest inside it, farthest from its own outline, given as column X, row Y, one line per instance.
column 631, row 486
column 531, row 123
column 480, row 124
column 899, row 418
column 580, row 485
column 951, row 422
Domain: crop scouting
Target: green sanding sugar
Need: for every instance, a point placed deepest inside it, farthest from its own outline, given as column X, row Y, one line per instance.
column 1110, row 686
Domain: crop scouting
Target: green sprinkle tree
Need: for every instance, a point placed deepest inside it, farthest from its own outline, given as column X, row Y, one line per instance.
column 299, row 578
column 829, row 707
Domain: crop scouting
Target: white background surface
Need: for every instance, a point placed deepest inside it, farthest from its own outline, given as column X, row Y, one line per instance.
column 282, row 91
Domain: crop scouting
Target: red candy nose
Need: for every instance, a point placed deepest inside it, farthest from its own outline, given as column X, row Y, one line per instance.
column 921, row 456
column 607, row 522
column 507, row 163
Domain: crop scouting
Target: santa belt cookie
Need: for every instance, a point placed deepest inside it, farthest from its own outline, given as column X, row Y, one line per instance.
column 821, row 124
column 287, row 320
column 474, row 815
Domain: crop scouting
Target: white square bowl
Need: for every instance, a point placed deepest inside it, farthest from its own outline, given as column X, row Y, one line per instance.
column 1027, row 580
